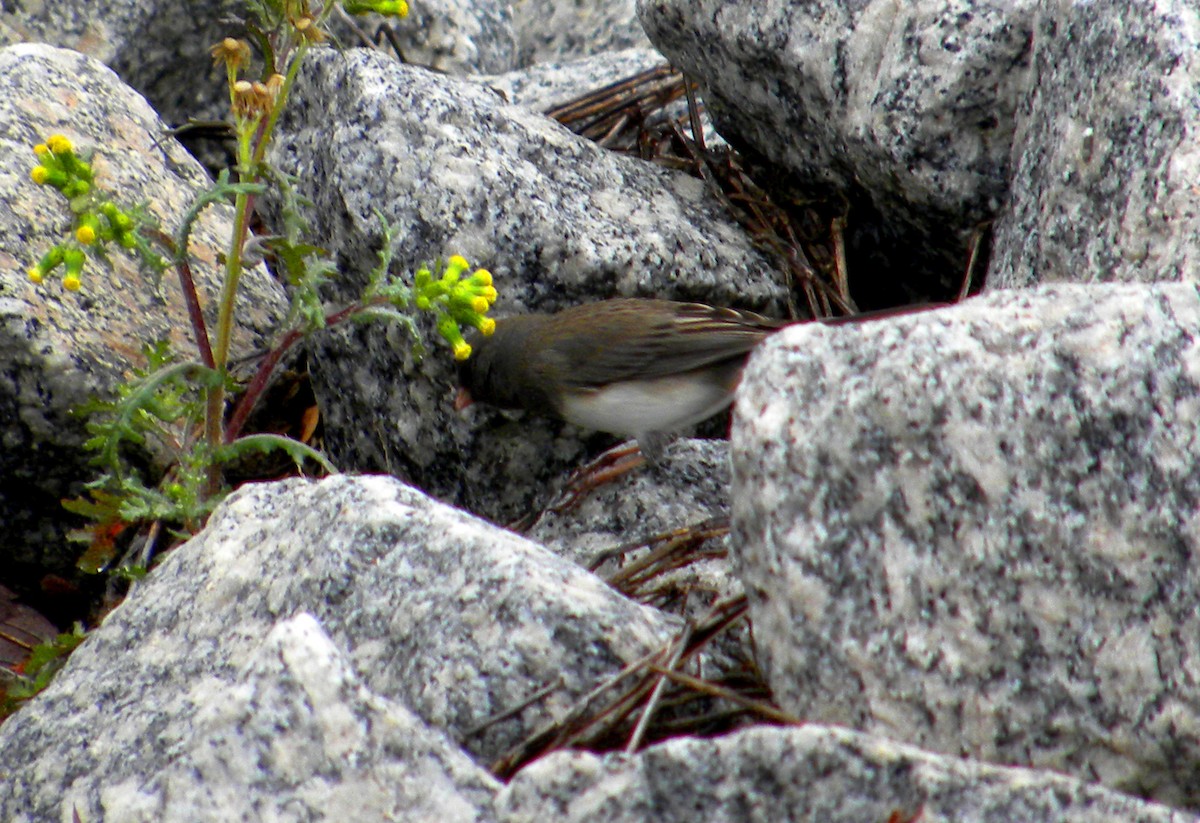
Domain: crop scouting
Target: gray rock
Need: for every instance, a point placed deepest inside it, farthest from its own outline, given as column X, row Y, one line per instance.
column 905, row 109
column 547, row 85
column 1105, row 160
column 689, row 485
column 552, row 216
column 627, row 522
column 768, row 774
column 446, row 615
column 455, row 37
column 556, row 219
column 974, row 530
column 549, row 31
column 159, row 47
column 297, row 736
column 59, row 348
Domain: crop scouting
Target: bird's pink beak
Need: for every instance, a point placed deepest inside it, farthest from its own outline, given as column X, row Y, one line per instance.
column 462, row 399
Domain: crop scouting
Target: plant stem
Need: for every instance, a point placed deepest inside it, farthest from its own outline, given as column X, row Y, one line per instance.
column 266, row 366
column 191, row 300
column 214, row 414
column 258, row 383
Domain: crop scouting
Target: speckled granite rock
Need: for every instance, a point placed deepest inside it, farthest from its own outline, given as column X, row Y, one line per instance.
column 974, row 530
column 689, row 485
column 636, row 513
column 809, row 773
column 905, row 109
column 298, row 736
column 456, row 37
column 435, row 610
column 1105, row 160
column 555, row 218
column 550, row 31
column 58, row 349
column 546, row 85
column 159, row 47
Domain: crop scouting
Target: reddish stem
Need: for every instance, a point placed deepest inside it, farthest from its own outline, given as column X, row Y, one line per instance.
column 188, row 286
column 266, row 367
column 257, row 384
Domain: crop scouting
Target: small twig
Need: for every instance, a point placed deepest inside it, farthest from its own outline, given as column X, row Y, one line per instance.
column 629, row 577
column 515, row 710
column 975, row 243
column 694, row 115
column 388, row 33
column 575, row 727
column 516, row 754
column 841, row 277
column 622, row 103
column 348, row 20
column 148, row 544
column 635, row 740
column 764, row 709
column 713, row 527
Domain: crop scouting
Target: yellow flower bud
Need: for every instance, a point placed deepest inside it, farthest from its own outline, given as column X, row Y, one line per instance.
column 483, row 277
column 486, row 326
column 462, row 350
column 59, row 144
column 40, row 175
column 85, row 235
column 41, row 149
column 35, row 274
column 74, row 258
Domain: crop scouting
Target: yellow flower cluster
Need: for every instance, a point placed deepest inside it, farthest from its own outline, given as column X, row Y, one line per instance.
column 458, row 300
column 60, row 168
column 96, row 219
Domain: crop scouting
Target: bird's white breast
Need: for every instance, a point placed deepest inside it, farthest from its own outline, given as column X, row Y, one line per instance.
column 632, row 408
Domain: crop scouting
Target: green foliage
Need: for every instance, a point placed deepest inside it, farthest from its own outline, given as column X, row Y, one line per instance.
column 97, row 221
column 35, row 675
column 175, row 410
column 148, row 407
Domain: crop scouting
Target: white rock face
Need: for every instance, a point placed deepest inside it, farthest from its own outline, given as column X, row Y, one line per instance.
column 1106, row 155
column 449, row 617
column 975, row 529
column 809, row 773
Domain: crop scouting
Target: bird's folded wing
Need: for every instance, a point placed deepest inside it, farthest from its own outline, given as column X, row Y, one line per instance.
column 695, row 338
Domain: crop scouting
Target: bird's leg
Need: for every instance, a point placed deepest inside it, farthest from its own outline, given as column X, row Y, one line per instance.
column 608, row 466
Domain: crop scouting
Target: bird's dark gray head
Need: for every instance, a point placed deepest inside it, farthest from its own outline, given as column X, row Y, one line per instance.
column 500, row 370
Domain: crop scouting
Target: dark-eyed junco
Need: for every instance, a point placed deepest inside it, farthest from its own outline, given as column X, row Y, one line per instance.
column 631, row 367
